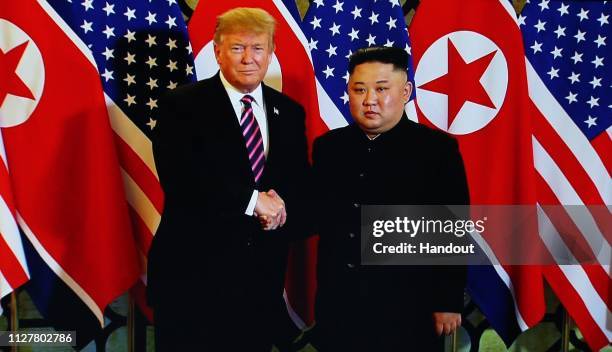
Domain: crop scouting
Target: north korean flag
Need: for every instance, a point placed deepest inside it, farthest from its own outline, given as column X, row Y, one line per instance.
column 62, row 161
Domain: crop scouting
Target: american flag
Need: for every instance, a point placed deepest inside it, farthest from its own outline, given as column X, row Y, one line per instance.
column 335, row 29
column 13, row 265
column 569, row 75
column 141, row 49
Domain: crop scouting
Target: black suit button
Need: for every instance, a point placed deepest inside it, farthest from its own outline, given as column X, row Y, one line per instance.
column 355, row 205
column 351, row 235
column 350, row 265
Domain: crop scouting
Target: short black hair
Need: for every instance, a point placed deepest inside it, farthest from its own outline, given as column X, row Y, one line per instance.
column 386, row 55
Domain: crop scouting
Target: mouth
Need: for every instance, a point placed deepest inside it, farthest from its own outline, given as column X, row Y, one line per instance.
column 370, row 114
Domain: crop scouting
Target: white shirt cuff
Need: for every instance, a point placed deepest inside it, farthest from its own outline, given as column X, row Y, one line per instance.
column 251, row 207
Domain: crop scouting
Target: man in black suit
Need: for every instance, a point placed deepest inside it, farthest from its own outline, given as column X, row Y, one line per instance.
column 230, row 153
column 383, row 158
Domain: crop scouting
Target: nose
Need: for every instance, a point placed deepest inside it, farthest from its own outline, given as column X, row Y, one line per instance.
column 247, row 56
column 370, row 97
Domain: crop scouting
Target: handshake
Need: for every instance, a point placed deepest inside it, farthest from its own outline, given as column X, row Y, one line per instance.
column 270, row 210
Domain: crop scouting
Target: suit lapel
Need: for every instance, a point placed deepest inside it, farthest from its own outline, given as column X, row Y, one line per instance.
column 273, row 114
column 219, row 122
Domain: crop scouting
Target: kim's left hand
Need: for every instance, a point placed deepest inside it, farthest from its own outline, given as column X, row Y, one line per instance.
column 446, row 322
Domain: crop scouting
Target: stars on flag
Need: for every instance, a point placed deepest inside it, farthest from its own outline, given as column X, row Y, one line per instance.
column 577, row 57
column 334, row 29
column 575, row 34
column 563, row 10
column 138, row 48
column 537, row 47
column 130, row 13
column 109, row 32
column 338, row 6
column 150, row 40
column 171, row 22
column 329, row 72
column 86, row 26
column 88, row 5
column 151, row 18
column 129, row 79
column 109, row 9
column 591, row 121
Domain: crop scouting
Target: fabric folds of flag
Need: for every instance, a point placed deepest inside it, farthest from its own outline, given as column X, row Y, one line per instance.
column 67, row 189
column 13, row 266
column 292, row 73
column 141, row 50
column 569, row 85
column 471, row 82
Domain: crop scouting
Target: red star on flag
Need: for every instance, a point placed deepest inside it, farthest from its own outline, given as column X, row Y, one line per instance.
column 10, row 83
column 462, row 82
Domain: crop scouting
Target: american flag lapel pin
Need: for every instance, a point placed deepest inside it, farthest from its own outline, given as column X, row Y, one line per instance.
column 276, row 111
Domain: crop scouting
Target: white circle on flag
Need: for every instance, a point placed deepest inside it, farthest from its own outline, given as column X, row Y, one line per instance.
column 30, row 70
column 206, row 66
column 433, row 64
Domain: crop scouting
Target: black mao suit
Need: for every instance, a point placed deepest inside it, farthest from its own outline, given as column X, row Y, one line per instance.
column 383, row 308
column 215, row 278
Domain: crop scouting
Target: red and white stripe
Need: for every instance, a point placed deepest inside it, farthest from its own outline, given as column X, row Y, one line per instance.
column 572, row 171
column 13, row 265
column 143, row 190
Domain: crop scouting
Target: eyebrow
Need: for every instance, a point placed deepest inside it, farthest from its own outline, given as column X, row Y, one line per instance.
column 381, row 81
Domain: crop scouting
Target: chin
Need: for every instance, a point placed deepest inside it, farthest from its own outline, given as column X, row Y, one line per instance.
column 369, row 123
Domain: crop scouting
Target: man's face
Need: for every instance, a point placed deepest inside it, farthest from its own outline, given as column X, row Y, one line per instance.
column 244, row 58
column 377, row 95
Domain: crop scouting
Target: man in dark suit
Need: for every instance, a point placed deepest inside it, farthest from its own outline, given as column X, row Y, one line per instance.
column 230, row 153
column 383, row 158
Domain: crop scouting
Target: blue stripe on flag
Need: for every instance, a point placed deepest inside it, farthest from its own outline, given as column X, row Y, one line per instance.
column 494, row 300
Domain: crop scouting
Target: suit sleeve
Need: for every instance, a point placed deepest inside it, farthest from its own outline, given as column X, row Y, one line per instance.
column 320, row 194
column 171, row 153
column 299, row 201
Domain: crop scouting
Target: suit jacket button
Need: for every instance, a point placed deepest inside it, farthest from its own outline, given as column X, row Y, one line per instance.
column 350, row 265
column 355, row 205
column 351, row 235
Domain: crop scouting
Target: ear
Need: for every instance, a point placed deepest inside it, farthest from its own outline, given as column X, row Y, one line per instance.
column 217, row 51
column 407, row 91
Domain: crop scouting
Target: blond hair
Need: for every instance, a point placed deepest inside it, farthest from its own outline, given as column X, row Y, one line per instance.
column 248, row 19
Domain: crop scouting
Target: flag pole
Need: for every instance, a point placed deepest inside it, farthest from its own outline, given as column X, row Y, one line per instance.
column 565, row 331
column 14, row 320
column 130, row 323
column 454, row 346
